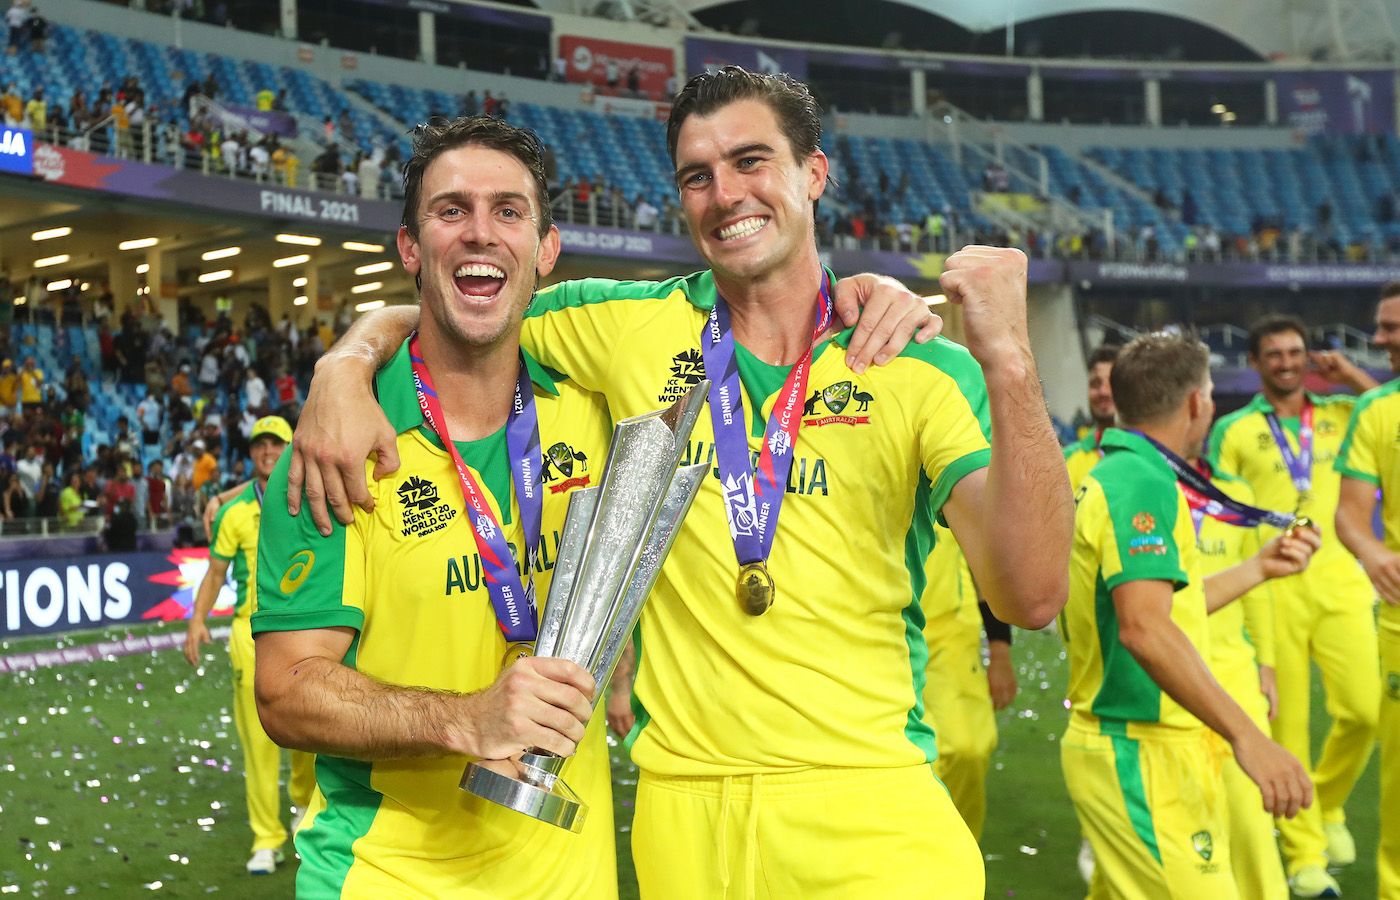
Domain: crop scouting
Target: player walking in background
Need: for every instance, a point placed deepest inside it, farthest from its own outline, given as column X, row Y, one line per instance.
column 235, row 542
column 1283, row 443
column 1370, row 459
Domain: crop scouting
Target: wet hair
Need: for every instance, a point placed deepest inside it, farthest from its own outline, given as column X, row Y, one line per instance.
column 798, row 114
column 1155, row 372
column 434, row 138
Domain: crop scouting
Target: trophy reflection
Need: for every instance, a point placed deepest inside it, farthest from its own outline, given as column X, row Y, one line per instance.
column 615, row 537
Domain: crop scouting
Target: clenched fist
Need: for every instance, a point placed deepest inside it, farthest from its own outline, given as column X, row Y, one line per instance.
column 538, row 703
column 990, row 285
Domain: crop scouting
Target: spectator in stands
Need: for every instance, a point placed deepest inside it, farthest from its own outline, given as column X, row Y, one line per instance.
column 259, row 160
column 327, row 168
column 46, row 494
column 288, row 395
column 14, row 502
column 70, row 500
column 31, row 384
column 12, row 105
column 9, row 388
column 157, row 494
column 17, row 19
column 119, row 489
column 206, row 465
column 30, row 469
column 255, row 394
column 36, row 111
column 263, row 99
column 120, row 535
column 612, row 74
column 368, row 174
column 488, row 104
column 644, row 214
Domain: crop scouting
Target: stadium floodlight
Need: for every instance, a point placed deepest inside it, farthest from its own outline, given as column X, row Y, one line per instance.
column 369, row 305
column 49, row 234
column 222, row 253
column 47, row 261
column 363, row 247
column 84, row 286
column 1228, row 117
column 291, row 260
column 61, row 284
column 304, row 240
column 374, row 267
column 366, row 287
column 1218, row 109
column 143, row 268
column 215, row 276
column 299, row 281
column 300, row 301
column 138, row 244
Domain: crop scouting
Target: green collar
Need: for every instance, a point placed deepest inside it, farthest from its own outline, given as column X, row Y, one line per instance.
column 394, row 386
column 1118, row 439
column 1260, row 403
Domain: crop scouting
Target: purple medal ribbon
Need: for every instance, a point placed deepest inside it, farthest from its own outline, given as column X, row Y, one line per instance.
column 1212, row 501
column 1299, row 464
column 753, row 497
column 513, row 602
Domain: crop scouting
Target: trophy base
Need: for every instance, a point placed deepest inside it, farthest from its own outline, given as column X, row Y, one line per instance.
column 507, row 784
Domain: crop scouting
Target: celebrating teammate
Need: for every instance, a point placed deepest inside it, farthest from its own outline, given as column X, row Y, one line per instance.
column 1144, row 775
column 234, row 540
column 1370, row 459
column 1283, row 443
column 794, row 604
column 383, row 645
column 1085, row 453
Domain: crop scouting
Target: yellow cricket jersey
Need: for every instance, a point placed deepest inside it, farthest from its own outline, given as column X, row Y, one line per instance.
column 236, row 541
column 1131, row 523
column 1241, row 444
column 1242, row 631
column 1371, row 453
column 1082, row 456
column 832, row 675
column 408, row 580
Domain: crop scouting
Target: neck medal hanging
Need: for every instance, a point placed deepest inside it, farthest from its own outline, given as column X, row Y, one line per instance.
column 512, row 600
column 753, row 497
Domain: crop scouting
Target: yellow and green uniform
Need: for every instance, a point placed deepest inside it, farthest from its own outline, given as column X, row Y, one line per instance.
column 407, row 579
column 817, row 702
column 1371, row 453
column 957, row 697
column 1082, row 456
column 1241, row 640
column 1324, row 613
column 1144, row 774
column 235, row 541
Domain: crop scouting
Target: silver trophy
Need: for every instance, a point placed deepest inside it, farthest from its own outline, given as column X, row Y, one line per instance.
column 615, row 537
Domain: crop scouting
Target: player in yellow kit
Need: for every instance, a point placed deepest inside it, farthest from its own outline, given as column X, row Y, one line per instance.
column 1283, row 443
column 1370, row 459
column 1241, row 659
column 1143, row 773
column 382, row 646
column 235, row 542
column 781, row 749
column 960, row 693
column 1085, row 453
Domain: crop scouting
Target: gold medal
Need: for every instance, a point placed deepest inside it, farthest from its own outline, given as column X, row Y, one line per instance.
column 516, row 651
column 755, row 588
column 1301, row 522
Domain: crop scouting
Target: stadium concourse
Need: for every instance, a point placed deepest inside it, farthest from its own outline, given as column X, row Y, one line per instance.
column 197, row 199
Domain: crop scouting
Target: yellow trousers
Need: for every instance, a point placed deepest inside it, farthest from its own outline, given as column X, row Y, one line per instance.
column 1388, row 858
column 262, row 759
column 1334, row 626
column 1254, row 853
column 958, row 704
column 1154, row 810
column 818, row 834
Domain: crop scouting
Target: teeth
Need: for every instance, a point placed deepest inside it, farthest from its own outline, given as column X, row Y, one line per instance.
column 482, row 270
column 742, row 228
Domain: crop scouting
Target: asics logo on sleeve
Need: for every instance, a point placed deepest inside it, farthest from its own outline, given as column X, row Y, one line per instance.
column 298, row 571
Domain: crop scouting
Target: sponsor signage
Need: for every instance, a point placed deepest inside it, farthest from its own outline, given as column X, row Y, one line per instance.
column 17, row 151
column 589, row 61
column 1337, row 102
column 68, row 593
column 708, row 54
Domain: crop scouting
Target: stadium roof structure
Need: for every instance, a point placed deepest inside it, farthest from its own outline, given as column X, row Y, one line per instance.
column 1335, row 30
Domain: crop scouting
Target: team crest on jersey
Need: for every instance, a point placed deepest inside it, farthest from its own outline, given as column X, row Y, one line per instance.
column 835, row 398
column 1326, row 427
column 566, row 466
column 1202, row 843
column 687, row 370
column 1144, row 522
column 1265, row 440
column 424, row 511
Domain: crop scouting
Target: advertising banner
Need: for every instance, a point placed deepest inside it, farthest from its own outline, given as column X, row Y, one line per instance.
column 707, row 54
column 68, row 593
column 17, row 151
column 259, row 120
column 592, row 60
column 1337, row 102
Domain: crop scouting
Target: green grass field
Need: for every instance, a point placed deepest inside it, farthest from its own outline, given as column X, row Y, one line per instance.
column 122, row 777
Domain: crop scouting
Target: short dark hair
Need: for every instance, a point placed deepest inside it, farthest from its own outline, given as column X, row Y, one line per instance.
column 1104, row 353
column 1390, row 289
column 1274, row 323
column 440, row 135
column 799, row 116
column 1154, row 372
